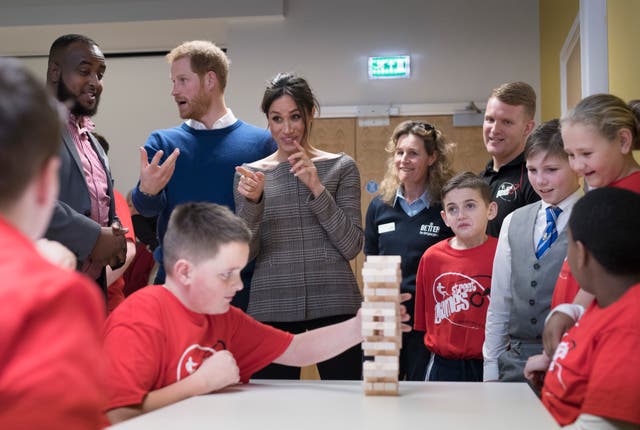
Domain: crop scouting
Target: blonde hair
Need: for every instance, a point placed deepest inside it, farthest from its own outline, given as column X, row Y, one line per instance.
column 606, row 113
column 517, row 94
column 434, row 143
column 205, row 57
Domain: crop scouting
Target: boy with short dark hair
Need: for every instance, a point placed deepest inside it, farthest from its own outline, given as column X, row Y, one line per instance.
column 169, row 342
column 50, row 318
column 453, row 280
column 531, row 248
column 593, row 379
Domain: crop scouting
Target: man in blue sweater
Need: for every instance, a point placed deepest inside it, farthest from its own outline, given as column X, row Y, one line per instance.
column 195, row 161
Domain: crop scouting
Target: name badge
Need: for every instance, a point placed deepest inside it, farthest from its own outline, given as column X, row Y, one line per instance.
column 386, row 228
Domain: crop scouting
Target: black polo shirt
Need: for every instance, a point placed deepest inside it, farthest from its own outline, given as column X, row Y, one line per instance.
column 510, row 189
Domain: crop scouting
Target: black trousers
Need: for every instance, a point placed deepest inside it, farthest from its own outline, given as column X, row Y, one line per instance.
column 346, row 366
column 444, row 369
column 414, row 357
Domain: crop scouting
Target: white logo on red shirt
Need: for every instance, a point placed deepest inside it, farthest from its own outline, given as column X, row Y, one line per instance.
column 561, row 352
column 192, row 358
column 454, row 292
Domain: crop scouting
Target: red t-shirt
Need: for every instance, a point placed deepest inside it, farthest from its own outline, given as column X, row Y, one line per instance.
column 137, row 274
column 593, row 369
column 152, row 340
column 51, row 373
column 115, row 291
column 567, row 287
column 452, row 298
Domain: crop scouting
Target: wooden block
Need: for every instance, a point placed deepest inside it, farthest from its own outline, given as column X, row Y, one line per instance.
column 380, row 325
column 386, row 371
column 381, row 388
column 379, row 352
column 380, row 305
column 379, row 373
column 381, row 275
column 371, row 313
column 386, row 346
column 387, row 359
column 374, row 285
column 383, row 259
column 380, row 365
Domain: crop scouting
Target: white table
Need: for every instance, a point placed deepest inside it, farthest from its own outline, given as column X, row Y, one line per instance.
column 332, row 405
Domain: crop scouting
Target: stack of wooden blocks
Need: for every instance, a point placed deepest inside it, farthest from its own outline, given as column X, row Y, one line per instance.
column 381, row 326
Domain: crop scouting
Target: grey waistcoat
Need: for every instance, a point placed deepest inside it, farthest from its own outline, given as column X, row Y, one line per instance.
column 532, row 280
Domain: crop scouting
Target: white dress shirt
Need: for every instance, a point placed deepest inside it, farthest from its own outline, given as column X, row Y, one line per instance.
column 224, row 121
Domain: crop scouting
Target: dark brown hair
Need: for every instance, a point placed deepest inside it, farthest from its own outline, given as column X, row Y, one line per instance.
column 468, row 180
column 546, row 138
column 299, row 90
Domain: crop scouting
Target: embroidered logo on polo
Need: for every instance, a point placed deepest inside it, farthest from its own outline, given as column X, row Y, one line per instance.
column 507, row 192
column 455, row 293
column 193, row 356
column 430, row 229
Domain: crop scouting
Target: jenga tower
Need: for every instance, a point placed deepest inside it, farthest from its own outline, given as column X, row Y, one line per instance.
column 381, row 324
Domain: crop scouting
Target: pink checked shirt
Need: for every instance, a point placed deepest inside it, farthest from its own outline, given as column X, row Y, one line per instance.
column 96, row 178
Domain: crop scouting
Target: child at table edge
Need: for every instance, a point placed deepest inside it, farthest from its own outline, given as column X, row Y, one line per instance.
column 592, row 381
column 169, row 342
column 453, row 282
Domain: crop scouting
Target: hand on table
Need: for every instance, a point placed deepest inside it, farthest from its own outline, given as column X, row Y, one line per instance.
column 536, row 368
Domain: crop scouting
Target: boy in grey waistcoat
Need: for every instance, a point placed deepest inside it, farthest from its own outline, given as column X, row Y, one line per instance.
column 531, row 248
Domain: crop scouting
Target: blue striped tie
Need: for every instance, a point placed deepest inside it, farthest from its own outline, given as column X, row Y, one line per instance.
column 550, row 233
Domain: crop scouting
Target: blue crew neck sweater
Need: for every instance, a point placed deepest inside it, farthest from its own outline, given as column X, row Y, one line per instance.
column 204, row 169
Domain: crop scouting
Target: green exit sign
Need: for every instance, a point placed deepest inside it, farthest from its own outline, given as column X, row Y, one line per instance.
column 389, row 67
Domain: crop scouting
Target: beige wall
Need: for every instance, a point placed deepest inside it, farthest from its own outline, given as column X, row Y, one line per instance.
column 623, row 43
column 556, row 18
column 457, row 56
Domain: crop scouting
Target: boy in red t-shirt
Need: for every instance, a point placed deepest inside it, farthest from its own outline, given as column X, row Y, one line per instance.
column 454, row 280
column 593, row 379
column 50, row 318
column 168, row 342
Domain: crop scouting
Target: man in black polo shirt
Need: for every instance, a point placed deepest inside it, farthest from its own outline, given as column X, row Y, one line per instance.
column 508, row 121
